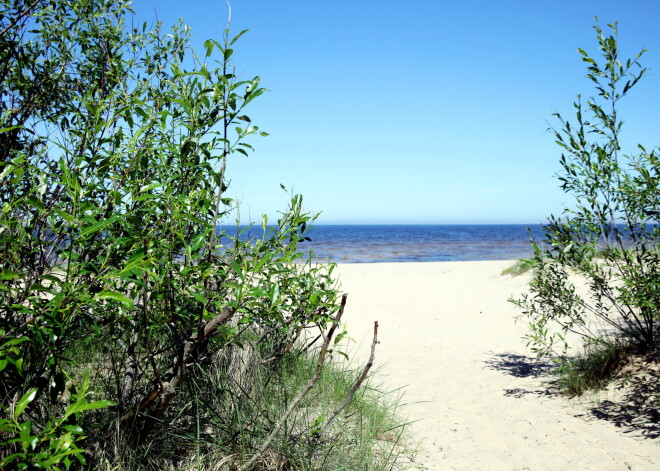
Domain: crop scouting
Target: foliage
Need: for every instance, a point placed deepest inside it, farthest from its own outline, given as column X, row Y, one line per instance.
column 114, row 143
column 231, row 405
column 607, row 240
column 56, row 440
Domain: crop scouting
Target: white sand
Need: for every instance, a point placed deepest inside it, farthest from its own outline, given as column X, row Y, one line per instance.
column 448, row 335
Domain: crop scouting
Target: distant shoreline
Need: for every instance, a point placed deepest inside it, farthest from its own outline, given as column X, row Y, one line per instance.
column 374, row 243
column 420, row 243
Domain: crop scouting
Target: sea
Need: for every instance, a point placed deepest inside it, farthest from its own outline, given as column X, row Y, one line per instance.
column 420, row 243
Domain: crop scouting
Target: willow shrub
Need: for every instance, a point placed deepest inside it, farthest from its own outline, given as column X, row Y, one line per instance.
column 114, row 146
column 608, row 238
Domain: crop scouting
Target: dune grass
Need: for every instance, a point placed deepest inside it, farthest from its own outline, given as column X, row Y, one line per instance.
column 233, row 402
column 521, row 266
column 593, row 369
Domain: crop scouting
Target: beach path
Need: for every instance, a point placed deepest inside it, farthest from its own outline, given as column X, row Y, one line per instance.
column 477, row 396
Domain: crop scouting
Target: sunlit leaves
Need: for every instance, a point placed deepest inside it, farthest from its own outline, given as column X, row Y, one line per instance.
column 608, row 236
column 112, row 183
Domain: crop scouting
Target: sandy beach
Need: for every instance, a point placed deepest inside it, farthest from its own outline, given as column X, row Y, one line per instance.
column 477, row 396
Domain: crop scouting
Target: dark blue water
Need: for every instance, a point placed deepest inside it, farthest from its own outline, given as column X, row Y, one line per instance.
column 420, row 243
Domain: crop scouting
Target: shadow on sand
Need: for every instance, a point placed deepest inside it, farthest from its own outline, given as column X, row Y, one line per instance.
column 636, row 411
column 521, row 366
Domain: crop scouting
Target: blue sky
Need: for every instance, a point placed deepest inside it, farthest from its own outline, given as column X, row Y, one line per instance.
column 417, row 111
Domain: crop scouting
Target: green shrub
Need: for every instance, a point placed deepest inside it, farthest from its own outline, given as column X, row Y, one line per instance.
column 114, row 143
column 607, row 238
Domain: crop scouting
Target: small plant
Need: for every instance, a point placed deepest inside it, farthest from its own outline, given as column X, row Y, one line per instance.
column 593, row 369
column 521, row 266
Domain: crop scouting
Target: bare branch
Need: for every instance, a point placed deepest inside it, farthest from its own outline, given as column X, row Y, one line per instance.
column 358, row 383
column 319, row 368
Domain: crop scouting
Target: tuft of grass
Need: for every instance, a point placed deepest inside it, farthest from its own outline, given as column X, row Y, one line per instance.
column 594, row 369
column 521, row 266
column 236, row 399
column 366, row 435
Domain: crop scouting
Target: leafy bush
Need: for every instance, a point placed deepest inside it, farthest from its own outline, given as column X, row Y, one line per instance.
column 608, row 239
column 114, row 144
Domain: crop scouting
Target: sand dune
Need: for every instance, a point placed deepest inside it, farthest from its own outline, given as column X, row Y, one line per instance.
column 479, row 398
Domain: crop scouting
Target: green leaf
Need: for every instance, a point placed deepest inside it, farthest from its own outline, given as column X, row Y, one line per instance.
column 136, row 260
column 141, row 112
column 232, row 284
column 75, row 429
column 114, row 296
column 151, row 186
column 73, row 408
column 24, row 401
column 258, row 292
column 27, row 440
column 344, row 354
column 51, row 278
column 208, row 44
column 18, row 363
column 13, row 166
column 6, row 275
column 237, row 37
column 13, row 457
column 10, row 128
column 237, row 268
column 198, row 297
column 274, row 296
column 96, row 227
column 64, row 215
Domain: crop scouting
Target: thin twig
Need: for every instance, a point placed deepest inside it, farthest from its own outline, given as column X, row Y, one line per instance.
column 19, row 17
column 319, row 368
column 358, row 383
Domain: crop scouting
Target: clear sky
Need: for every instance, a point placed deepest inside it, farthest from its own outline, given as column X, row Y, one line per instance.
column 417, row 111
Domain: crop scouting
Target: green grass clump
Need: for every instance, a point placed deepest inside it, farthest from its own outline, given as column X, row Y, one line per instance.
column 234, row 402
column 366, row 435
column 593, row 369
column 521, row 266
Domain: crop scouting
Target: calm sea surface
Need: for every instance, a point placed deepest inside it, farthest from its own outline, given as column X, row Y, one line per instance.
column 420, row 243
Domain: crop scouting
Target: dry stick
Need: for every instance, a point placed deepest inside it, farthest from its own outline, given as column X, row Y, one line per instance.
column 303, row 393
column 358, row 383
